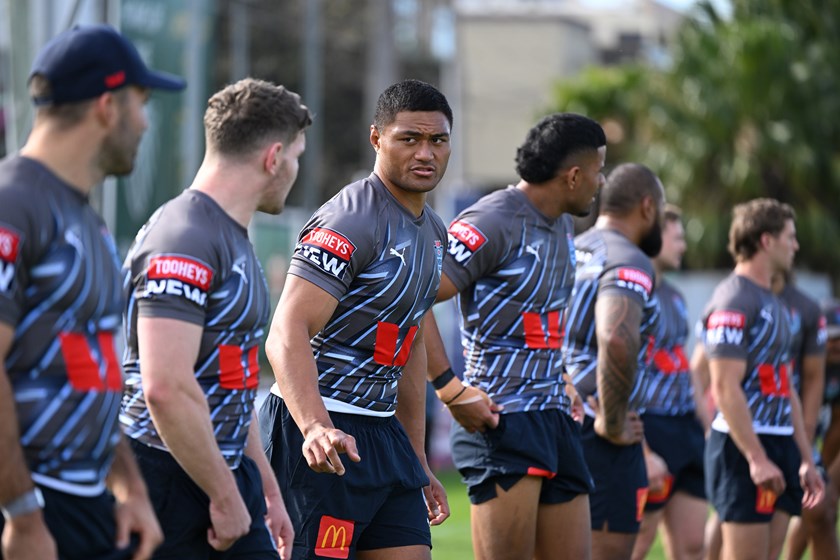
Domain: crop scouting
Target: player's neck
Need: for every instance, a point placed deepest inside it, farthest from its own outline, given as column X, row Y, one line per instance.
column 543, row 198
column 756, row 269
column 69, row 155
column 234, row 188
column 622, row 226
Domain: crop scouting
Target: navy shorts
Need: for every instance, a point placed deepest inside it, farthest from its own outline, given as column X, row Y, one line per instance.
column 731, row 490
column 679, row 440
column 618, row 502
column 183, row 509
column 543, row 443
column 83, row 527
column 377, row 503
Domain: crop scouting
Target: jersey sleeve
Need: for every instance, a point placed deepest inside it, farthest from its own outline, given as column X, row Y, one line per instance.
column 635, row 282
column 334, row 247
column 175, row 272
column 725, row 325
column 18, row 254
column 814, row 331
column 476, row 245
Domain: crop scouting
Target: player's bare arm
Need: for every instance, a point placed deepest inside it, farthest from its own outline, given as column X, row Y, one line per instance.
column 276, row 517
column 133, row 512
column 617, row 323
column 700, row 382
column 26, row 533
column 809, row 478
column 304, row 309
column 726, row 376
column 813, row 386
column 411, row 412
column 168, row 349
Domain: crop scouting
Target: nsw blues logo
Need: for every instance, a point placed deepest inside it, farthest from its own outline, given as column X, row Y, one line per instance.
column 439, row 255
column 9, row 244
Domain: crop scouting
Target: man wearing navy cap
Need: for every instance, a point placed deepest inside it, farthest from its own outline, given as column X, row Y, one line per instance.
column 69, row 485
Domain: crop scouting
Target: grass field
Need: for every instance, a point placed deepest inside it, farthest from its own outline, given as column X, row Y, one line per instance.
column 451, row 541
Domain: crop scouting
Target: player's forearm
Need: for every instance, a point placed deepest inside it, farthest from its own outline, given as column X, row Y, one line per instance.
column 296, row 374
column 616, row 375
column 813, row 386
column 733, row 406
column 411, row 399
column 15, row 478
column 800, row 436
column 254, row 450
column 182, row 418
column 436, row 359
column 125, row 479
column 698, row 395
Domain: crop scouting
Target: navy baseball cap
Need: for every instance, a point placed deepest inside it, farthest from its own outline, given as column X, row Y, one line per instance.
column 831, row 310
column 87, row 60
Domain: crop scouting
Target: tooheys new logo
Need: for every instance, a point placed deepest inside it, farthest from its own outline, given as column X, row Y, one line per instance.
column 464, row 240
column 327, row 249
column 178, row 276
column 725, row 327
column 636, row 280
column 9, row 243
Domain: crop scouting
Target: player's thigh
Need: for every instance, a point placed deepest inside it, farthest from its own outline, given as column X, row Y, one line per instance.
column 563, row 530
column 745, row 541
column 647, row 533
column 684, row 521
column 505, row 526
column 778, row 530
column 415, row 552
column 607, row 545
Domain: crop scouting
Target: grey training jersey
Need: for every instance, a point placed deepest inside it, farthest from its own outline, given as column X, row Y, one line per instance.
column 607, row 262
column 193, row 262
column 60, row 291
column 383, row 266
column 514, row 270
column 744, row 321
column 807, row 326
column 669, row 390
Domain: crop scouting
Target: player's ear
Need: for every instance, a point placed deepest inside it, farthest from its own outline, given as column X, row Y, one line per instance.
column 273, row 157
column 571, row 175
column 375, row 137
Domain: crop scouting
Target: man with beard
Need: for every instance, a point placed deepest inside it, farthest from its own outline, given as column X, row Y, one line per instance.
column 197, row 310
column 674, row 417
column 347, row 348
column 511, row 264
column 60, row 306
column 759, row 468
column 611, row 317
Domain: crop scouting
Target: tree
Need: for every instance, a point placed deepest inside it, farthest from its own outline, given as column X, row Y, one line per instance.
column 746, row 109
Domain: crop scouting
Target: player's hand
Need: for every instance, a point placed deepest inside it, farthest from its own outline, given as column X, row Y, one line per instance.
column 279, row 525
column 471, row 407
column 765, row 474
column 322, row 445
column 436, row 502
column 26, row 537
column 137, row 516
column 657, row 471
column 632, row 431
column 576, row 411
column 812, row 485
column 229, row 520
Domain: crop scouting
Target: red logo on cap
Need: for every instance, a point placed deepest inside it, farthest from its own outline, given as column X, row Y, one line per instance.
column 115, row 80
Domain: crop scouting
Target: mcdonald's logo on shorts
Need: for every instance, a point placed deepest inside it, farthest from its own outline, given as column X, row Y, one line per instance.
column 641, row 500
column 334, row 538
column 765, row 501
column 663, row 494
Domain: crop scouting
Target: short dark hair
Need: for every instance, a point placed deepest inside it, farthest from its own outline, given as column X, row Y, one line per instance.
column 751, row 220
column 626, row 186
column 409, row 95
column 552, row 141
column 243, row 115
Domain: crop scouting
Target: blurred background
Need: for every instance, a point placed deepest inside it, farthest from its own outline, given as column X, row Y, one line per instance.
column 725, row 100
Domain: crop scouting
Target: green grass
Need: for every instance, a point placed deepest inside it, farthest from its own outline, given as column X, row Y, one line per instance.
column 451, row 541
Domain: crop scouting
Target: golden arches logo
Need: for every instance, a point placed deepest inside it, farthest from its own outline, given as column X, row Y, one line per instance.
column 334, row 537
column 336, row 533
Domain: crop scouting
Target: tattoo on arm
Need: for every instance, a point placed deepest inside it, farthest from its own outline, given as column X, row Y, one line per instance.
column 617, row 322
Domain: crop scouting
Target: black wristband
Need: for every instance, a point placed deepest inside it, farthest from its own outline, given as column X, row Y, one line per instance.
column 461, row 392
column 441, row 380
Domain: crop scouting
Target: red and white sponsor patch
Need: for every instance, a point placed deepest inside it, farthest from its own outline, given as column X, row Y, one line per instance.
column 726, row 319
column 636, row 276
column 186, row 270
column 330, row 241
column 9, row 244
column 467, row 234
